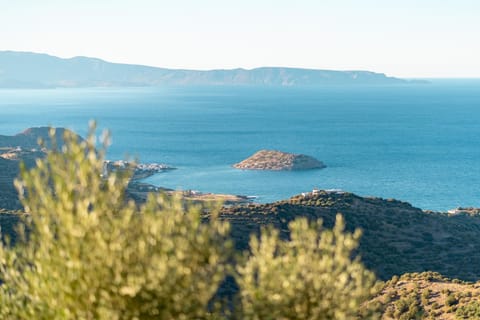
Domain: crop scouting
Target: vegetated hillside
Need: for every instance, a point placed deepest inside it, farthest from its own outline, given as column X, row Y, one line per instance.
column 397, row 238
column 22, row 147
column 27, row 70
column 28, row 139
column 10, row 159
column 9, row 220
column 428, row 295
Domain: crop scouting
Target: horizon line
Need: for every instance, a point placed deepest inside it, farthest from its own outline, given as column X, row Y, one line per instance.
column 245, row 68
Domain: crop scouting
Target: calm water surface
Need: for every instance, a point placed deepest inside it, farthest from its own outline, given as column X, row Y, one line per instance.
column 417, row 143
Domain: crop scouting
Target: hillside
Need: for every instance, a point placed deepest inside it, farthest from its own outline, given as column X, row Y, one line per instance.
column 33, row 70
column 398, row 240
column 29, row 138
column 22, row 147
column 10, row 159
column 397, row 237
column 17, row 148
column 428, row 295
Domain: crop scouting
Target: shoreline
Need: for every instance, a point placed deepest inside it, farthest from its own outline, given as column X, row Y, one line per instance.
column 139, row 189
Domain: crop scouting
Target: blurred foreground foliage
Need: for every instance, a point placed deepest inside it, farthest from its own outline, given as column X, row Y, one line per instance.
column 85, row 252
column 311, row 276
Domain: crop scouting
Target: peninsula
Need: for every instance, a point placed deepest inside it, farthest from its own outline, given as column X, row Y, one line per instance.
column 278, row 160
column 35, row 70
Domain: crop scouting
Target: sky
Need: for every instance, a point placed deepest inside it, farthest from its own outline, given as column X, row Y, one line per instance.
column 404, row 38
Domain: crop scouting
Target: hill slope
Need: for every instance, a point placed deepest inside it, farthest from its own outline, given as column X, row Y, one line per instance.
column 28, row 139
column 428, row 295
column 397, row 238
column 15, row 149
column 33, row 70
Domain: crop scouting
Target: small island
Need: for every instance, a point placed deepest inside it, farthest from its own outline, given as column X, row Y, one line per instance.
column 277, row 160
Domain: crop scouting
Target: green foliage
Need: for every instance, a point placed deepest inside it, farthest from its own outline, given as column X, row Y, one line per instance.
column 311, row 276
column 469, row 311
column 394, row 280
column 90, row 254
column 408, row 308
column 425, row 295
column 451, row 300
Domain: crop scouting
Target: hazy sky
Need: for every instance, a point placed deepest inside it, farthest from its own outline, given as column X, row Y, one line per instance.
column 407, row 38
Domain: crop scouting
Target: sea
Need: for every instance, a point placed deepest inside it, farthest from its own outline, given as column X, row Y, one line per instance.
column 418, row 143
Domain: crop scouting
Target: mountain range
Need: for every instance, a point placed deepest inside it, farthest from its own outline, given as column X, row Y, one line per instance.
column 35, row 70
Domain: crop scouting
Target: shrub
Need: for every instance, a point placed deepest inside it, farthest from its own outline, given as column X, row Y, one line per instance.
column 408, row 308
column 425, row 295
column 469, row 311
column 451, row 300
column 92, row 255
column 394, row 280
column 311, row 276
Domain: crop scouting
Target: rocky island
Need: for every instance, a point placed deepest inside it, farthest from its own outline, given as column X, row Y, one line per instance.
column 278, row 160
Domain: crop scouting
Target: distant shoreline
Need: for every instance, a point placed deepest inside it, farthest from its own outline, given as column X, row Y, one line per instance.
column 35, row 70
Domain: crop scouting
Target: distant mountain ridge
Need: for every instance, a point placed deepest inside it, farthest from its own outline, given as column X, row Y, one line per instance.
column 35, row 70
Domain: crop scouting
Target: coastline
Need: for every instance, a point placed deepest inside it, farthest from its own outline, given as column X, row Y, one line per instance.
column 139, row 190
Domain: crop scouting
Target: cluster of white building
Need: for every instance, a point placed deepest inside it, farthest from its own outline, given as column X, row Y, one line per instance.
column 122, row 164
column 316, row 191
column 152, row 166
column 109, row 166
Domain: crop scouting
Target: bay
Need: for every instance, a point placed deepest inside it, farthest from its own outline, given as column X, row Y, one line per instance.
column 417, row 143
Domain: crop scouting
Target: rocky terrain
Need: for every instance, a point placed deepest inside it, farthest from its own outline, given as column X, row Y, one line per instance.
column 278, row 160
column 427, row 295
column 470, row 211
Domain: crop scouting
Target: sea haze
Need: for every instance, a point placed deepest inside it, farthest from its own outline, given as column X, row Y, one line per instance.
column 417, row 143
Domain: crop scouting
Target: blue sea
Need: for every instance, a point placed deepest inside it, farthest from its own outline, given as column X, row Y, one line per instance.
column 418, row 143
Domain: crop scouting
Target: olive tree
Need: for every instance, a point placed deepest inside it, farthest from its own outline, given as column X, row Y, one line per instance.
column 88, row 253
column 310, row 276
